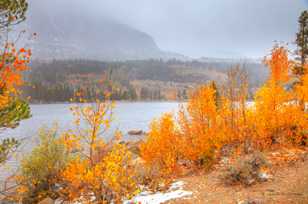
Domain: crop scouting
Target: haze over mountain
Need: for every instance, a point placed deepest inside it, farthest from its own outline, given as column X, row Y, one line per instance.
column 70, row 31
column 137, row 29
column 211, row 28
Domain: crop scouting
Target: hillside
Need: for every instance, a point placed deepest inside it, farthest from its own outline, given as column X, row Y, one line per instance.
column 287, row 183
column 130, row 80
column 71, row 32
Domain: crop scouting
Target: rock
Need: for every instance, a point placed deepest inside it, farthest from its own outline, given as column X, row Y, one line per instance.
column 263, row 176
column 134, row 147
column 136, row 132
column 250, row 182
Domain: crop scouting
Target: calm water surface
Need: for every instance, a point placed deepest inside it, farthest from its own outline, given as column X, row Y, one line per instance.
column 127, row 116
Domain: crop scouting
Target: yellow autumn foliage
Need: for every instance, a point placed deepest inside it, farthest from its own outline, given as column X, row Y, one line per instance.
column 110, row 179
column 196, row 133
column 211, row 120
column 278, row 116
column 162, row 146
column 13, row 62
column 198, row 123
column 272, row 106
column 100, row 171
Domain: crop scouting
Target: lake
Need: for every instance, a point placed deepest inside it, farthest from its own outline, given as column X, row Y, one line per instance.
column 127, row 116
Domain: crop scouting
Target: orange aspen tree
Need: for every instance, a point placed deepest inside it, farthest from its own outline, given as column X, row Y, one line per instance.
column 279, row 64
column 199, row 125
column 276, row 113
column 162, row 145
column 100, row 171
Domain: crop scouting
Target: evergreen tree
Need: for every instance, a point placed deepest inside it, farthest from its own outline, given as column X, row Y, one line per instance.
column 14, row 110
column 217, row 95
column 302, row 43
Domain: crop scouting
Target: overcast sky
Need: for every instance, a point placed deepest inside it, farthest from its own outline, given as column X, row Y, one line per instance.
column 211, row 28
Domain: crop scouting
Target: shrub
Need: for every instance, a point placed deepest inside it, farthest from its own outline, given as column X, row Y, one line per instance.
column 100, row 172
column 109, row 179
column 162, row 146
column 200, row 126
column 40, row 171
column 279, row 117
column 246, row 171
column 271, row 116
column 151, row 177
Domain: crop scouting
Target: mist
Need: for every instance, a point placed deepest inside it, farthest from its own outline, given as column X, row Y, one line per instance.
column 221, row 28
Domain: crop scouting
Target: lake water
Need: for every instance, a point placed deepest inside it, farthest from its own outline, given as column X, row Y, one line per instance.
column 127, row 116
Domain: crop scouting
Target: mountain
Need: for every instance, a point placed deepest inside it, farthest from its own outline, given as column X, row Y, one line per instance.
column 67, row 31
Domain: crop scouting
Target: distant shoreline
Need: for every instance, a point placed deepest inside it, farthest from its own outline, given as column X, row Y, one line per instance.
column 117, row 101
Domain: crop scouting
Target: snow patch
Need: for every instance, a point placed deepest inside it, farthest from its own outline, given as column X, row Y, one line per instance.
column 175, row 191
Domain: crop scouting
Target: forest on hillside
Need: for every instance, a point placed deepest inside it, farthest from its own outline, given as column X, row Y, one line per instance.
column 59, row 80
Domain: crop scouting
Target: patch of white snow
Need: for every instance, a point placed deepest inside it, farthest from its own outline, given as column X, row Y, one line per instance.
column 175, row 191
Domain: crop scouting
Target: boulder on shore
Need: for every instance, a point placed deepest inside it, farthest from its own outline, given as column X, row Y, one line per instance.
column 136, row 132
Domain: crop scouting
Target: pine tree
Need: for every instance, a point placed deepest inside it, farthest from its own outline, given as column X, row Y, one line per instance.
column 217, row 94
column 302, row 43
column 12, row 108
